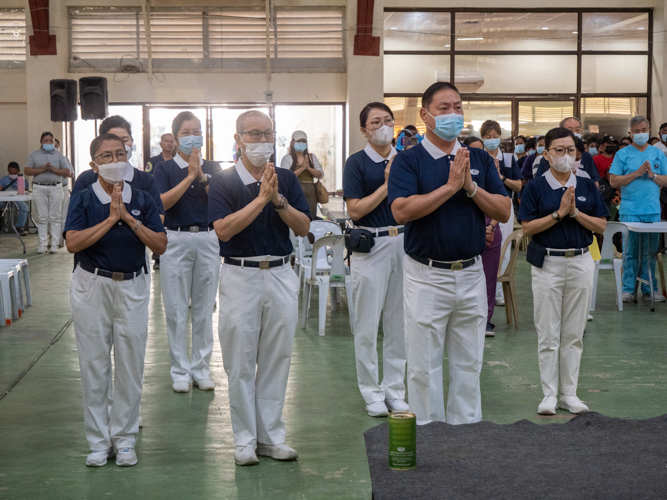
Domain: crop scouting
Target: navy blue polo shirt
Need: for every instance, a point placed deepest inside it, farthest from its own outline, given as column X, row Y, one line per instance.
column 139, row 180
column 233, row 189
column 120, row 249
column 512, row 172
column 153, row 162
column 363, row 175
column 587, row 165
column 192, row 208
column 456, row 230
column 542, row 197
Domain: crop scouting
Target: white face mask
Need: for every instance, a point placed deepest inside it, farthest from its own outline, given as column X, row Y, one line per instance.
column 113, row 173
column 563, row 163
column 128, row 150
column 381, row 136
column 258, row 153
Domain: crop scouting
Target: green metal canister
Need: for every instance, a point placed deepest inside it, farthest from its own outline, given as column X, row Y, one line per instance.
column 402, row 441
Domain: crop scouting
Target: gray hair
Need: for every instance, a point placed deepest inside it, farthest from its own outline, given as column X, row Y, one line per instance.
column 562, row 122
column 637, row 120
column 240, row 121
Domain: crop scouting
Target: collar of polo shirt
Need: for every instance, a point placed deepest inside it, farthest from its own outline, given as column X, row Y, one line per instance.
column 436, row 152
column 571, row 182
column 184, row 164
column 376, row 157
column 245, row 176
column 105, row 198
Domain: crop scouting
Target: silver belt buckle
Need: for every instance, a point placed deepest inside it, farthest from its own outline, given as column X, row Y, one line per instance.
column 392, row 231
column 569, row 253
column 457, row 266
column 194, row 229
column 264, row 264
column 118, row 276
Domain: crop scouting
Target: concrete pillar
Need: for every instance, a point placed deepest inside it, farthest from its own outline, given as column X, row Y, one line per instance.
column 659, row 84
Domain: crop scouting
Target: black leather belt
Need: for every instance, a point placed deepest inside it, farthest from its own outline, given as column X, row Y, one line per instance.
column 191, row 229
column 51, row 184
column 566, row 253
column 113, row 276
column 263, row 264
column 453, row 266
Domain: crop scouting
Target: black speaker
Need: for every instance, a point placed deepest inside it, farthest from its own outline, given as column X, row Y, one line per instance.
column 94, row 97
column 63, row 101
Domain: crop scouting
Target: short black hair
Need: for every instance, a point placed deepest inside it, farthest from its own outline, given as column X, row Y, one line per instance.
column 522, row 137
column 470, row 139
column 44, row 134
column 97, row 142
column 662, row 126
column 115, row 121
column 490, row 125
column 531, row 143
column 557, row 133
column 412, row 129
column 629, row 139
column 181, row 117
column 13, row 164
column 363, row 116
column 427, row 98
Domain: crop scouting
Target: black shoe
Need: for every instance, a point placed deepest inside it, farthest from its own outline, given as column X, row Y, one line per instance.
column 156, row 266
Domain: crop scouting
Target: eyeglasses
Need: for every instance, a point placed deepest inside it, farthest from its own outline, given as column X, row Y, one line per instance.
column 560, row 151
column 256, row 135
column 109, row 157
column 377, row 123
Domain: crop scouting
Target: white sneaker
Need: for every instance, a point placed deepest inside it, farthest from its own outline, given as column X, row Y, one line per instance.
column 41, row 250
column 204, row 384
column 377, row 409
column 53, row 249
column 277, row 451
column 628, row 297
column 490, row 333
column 572, row 404
column 590, row 318
column 394, row 405
column 500, row 302
column 181, row 387
column 98, row 458
column 245, row 455
column 548, row 406
column 126, row 457
column 141, row 423
column 656, row 297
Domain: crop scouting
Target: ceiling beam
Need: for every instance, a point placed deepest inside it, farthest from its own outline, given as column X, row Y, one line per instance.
column 42, row 43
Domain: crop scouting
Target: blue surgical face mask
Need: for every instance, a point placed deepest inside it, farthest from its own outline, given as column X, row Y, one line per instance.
column 449, row 126
column 540, row 150
column 664, row 137
column 300, row 146
column 187, row 144
column 531, row 152
column 593, row 151
column 640, row 139
column 48, row 147
column 491, row 144
column 519, row 148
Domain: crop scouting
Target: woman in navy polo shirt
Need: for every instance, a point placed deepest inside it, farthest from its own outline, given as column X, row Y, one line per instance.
column 190, row 267
column 377, row 276
column 109, row 226
column 561, row 211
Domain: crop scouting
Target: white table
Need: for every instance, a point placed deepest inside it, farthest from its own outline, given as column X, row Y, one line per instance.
column 642, row 228
column 9, row 198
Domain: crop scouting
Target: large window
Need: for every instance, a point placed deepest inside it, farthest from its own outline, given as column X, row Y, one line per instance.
column 304, row 38
column 524, row 68
column 12, row 38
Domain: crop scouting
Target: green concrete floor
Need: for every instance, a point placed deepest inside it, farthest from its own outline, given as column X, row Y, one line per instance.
column 185, row 447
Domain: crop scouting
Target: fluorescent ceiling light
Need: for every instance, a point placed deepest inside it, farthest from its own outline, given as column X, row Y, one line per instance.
column 393, row 28
column 466, row 39
column 544, row 28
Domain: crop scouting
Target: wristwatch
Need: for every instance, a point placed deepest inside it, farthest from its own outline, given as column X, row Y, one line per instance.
column 205, row 181
column 556, row 217
column 503, row 178
column 283, row 203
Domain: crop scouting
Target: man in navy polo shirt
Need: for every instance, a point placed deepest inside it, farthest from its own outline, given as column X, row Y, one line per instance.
column 441, row 191
column 108, row 227
column 252, row 207
column 190, row 267
column 167, row 144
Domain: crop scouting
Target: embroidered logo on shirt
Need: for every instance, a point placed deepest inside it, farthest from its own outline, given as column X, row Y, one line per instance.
column 581, row 198
column 474, row 171
column 136, row 212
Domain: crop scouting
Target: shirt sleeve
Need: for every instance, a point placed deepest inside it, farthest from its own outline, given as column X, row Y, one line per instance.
column 515, row 173
column 353, row 180
column 152, row 214
column 527, row 169
column 220, row 199
column 589, row 167
column 599, row 208
column 295, row 195
column 76, row 216
column 529, row 203
column 616, row 166
column 161, row 178
column 316, row 164
column 663, row 164
column 30, row 163
column 492, row 182
column 152, row 190
column 403, row 179
column 212, row 167
column 286, row 162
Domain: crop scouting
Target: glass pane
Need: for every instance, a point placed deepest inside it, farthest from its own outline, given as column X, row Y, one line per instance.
column 610, row 115
column 224, row 128
column 615, row 31
column 477, row 112
column 323, row 124
column 414, row 73
column 406, row 112
column 614, row 74
column 516, row 31
column 538, row 117
column 84, row 133
column 417, row 31
column 160, row 120
column 516, row 74
column 134, row 115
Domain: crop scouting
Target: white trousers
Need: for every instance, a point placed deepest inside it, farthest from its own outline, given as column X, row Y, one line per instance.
column 48, row 202
column 506, row 229
column 561, row 293
column 258, row 315
column 444, row 308
column 106, row 313
column 377, row 289
column 189, row 271
column 63, row 213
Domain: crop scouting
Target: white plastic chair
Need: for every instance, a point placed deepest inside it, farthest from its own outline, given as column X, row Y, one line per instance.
column 25, row 276
column 607, row 261
column 326, row 275
column 10, row 295
column 318, row 228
